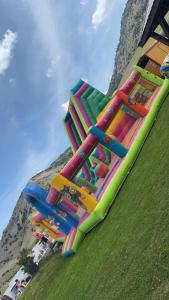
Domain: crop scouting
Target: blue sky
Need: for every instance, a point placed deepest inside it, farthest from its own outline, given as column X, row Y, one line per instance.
column 46, row 46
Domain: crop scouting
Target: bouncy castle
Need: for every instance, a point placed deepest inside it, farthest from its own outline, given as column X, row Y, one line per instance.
column 106, row 136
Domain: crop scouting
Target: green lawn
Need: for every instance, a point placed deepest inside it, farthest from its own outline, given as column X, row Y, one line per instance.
column 126, row 256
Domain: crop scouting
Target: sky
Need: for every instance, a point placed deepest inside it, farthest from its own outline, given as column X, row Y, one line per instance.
column 46, row 46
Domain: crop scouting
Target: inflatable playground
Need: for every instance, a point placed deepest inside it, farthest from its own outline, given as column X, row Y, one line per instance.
column 106, row 135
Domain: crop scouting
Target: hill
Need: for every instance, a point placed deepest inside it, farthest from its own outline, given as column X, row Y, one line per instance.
column 17, row 234
column 131, row 27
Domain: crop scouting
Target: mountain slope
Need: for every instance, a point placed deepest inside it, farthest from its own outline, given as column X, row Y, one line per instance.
column 17, row 234
column 130, row 32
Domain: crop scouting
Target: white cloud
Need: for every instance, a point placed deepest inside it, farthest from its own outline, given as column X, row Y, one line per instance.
column 52, row 70
column 6, row 47
column 49, row 33
column 103, row 9
column 49, row 73
column 65, row 106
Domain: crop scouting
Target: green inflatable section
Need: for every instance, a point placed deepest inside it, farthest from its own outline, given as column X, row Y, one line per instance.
column 88, row 91
column 78, row 112
column 103, row 103
column 108, row 197
column 149, row 76
column 78, row 139
column 83, row 182
column 97, row 103
column 93, row 101
column 69, row 139
column 88, row 110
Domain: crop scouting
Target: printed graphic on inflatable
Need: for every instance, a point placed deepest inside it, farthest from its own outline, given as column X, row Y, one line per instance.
column 71, row 194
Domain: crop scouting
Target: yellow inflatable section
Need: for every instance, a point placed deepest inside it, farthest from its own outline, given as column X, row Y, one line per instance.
column 118, row 117
column 63, row 184
column 43, row 224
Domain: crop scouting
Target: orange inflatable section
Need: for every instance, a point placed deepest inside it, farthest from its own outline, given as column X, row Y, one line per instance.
column 136, row 107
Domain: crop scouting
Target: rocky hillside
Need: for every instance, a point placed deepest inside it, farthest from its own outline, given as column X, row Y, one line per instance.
column 17, row 234
column 130, row 32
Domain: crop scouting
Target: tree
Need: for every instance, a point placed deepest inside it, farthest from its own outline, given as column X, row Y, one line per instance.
column 27, row 262
column 30, row 267
column 22, row 257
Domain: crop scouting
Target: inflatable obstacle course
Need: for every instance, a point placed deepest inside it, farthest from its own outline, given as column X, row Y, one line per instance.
column 106, row 135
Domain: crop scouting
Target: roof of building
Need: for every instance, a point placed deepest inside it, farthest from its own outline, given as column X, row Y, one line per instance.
column 156, row 12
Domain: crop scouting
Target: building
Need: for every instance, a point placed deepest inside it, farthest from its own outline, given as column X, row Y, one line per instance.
column 39, row 251
column 153, row 58
column 20, row 275
column 156, row 16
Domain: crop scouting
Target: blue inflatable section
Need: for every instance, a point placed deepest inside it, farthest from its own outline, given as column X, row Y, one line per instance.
column 35, row 190
column 108, row 142
column 36, row 196
column 72, row 218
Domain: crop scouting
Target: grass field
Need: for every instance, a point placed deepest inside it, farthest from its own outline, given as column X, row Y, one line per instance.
column 126, row 256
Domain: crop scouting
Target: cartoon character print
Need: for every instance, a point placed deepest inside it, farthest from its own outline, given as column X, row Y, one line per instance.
column 71, row 194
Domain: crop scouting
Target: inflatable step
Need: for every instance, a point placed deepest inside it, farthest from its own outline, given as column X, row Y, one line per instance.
column 68, row 243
